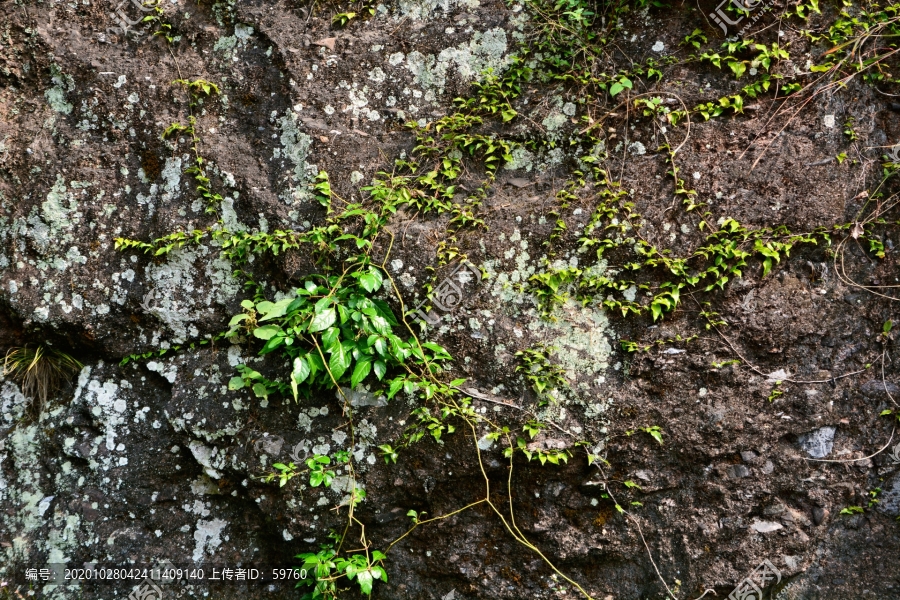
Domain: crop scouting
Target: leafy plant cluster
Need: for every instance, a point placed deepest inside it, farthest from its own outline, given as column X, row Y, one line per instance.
column 851, row 52
column 569, row 39
column 757, row 64
column 328, row 568
column 614, row 233
column 544, row 376
column 155, row 19
column 334, row 333
column 630, row 346
column 361, row 9
column 163, row 351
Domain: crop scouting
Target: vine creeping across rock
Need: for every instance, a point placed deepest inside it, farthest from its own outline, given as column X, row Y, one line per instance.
column 347, row 325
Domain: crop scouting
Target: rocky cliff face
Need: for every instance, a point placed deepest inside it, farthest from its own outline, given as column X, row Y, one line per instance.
column 664, row 268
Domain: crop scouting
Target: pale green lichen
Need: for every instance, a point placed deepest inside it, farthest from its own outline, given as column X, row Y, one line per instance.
column 580, row 334
column 56, row 95
column 416, row 10
column 176, row 298
column 54, row 211
column 171, row 177
column 295, row 149
column 486, row 50
column 208, row 537
column 522, row 158
column 33, row 530
column 229, row 45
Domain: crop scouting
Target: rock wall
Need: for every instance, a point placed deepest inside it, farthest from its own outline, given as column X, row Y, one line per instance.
column 685, row 460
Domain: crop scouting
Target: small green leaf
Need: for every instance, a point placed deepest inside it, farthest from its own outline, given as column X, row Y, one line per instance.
column 264, row 307
column 362, row 369
column 275, row 310
column 340, row 360
column 237, row 319
column 738, row 67
column 380, row 324
column 380, row 369
column 322, row 304
column 330, row 338
column 395, row 387
column 371, row 281
column 301, row 369
column 365, row 581
column 235, row 383
column 322, row 320
column 266, row 332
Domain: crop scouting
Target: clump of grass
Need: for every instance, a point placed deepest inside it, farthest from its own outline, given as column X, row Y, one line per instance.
column 40, row 371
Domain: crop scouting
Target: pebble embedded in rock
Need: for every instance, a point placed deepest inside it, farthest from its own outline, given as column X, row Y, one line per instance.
column 818, row 443
column 880, row 389
column 819, row 514
column 738, row 471
column 518, row 182
column 326, row 43
column 766, row 526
